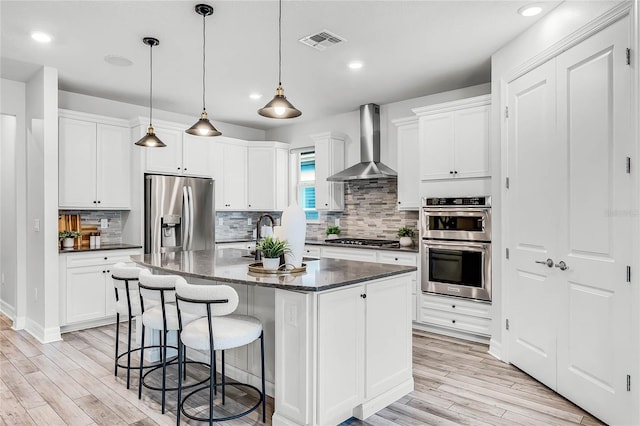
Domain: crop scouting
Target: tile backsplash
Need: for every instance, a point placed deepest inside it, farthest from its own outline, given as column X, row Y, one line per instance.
column 235, row 225
column 110, row 235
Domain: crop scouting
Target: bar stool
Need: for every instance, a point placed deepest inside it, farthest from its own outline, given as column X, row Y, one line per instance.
column 216, row 328
column 159, row 312
column 125, row 284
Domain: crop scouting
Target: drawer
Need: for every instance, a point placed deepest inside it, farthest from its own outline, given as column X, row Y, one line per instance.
column 406, row 259
column 107, row 257
column 248, row 245
column 363, row 255
column 312, row 251
column 456, row 305
column 454, row 320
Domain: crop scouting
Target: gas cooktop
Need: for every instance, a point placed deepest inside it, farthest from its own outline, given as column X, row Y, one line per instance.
column 364, row 242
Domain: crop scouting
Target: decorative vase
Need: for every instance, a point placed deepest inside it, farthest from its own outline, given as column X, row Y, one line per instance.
column 294, row 224
column 332, row 236
column 271, row 264
column 67, row 243
column 406, row 242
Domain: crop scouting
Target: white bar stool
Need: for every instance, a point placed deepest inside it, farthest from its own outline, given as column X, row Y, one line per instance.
column 125, row 284
column 216, row 329
column 159, row 312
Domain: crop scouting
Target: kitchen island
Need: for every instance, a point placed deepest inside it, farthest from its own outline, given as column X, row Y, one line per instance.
column 341, row 331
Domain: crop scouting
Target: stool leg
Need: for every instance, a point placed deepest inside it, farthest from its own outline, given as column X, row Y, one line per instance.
column 164, row 367
column 115, row 369
column 179, row 406
column 212, row 382
column 129, row 353
column 184, row 366
column 223, row 378
column 141, row 361
column 215, row 378
column 264, row 397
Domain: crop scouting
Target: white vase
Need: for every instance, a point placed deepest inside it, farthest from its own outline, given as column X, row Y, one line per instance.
column 271, row 264
column 406, row 242
column 67, row 243
column 294, row 225
column 332, row 237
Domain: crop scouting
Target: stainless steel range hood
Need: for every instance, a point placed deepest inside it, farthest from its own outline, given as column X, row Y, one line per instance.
column 369, row 166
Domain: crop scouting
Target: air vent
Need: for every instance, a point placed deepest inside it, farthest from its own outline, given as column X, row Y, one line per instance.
column 322, row 40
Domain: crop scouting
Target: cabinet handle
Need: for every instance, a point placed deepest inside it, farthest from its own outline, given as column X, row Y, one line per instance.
column 364, row 296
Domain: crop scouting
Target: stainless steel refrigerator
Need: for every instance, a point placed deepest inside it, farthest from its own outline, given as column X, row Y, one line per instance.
column 179, row 214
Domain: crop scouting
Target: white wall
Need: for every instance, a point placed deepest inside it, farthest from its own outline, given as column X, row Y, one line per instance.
column 91, row 104
column 42, row 287
column 13, row 212
column 559, row 24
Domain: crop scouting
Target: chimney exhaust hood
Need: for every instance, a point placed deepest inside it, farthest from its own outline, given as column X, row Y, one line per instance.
column 369, row 166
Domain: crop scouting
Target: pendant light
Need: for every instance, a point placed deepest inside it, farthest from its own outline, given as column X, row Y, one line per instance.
column 150, row 140
column 203, row 127
column 279, row 106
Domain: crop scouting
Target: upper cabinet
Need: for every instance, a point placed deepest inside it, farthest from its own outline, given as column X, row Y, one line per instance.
column 184, row 154
column 94, row 162
column 329, row 148
column 454, row 139
column 230, row 173
column 408, row 163
column 267, row 176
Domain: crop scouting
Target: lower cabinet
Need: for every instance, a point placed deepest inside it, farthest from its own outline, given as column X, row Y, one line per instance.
column 87, row 297
column 454, row 316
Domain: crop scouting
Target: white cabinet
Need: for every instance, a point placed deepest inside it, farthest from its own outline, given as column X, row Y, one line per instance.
column 267, row 177
column 183, row 154
column 362, row 255
column 230, row 174
column 87, row 295
column 455, row 316
column 94, row 162
column 329, row 149
column 312, row 251
column 408, row 163
column 454, row 139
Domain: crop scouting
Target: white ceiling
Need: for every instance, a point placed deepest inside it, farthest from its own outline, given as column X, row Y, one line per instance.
column 409, row 49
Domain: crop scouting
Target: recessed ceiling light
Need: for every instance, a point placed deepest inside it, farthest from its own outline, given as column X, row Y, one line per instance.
column 119, row 61
column 530, row 10
column 355, row 65
column 255, row 95
column 41, row 37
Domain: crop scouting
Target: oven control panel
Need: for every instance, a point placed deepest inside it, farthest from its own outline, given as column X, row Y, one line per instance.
column 484, row 201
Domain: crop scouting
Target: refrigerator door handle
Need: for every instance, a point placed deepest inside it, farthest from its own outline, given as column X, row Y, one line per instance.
column 190, row 194
column 186, row 217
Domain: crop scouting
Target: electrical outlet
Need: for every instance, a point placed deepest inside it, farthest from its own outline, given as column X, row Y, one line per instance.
column 35, row 293
column 337, row 222
column 220, row 221
column 36, row 225
column 248, row 221
column 104, row 223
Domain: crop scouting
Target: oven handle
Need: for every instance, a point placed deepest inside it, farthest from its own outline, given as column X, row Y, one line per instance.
column 470, row 246
column 447, row 212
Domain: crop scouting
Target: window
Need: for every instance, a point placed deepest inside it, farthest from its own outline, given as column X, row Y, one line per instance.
column 307, row 184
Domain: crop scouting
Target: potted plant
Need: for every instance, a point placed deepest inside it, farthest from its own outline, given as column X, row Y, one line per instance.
column 67, row 238
column 406, row 234
column 272, row 249
column 332, row 232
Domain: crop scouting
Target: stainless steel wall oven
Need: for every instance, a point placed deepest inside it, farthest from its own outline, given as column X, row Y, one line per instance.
column 456, row 246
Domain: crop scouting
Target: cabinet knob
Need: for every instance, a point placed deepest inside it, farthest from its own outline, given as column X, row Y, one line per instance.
column 455, row 172
column 249, row 205
column 450, row 172
column 98, row 202
column 364, row 296
column 94, row 202
column 326, row 204
column 185, row 169
column 108, row 271
column 103, row 272
column 396, row 259
column 399, row 202
column 453, row 306
column 105, row 258
column 453, row 321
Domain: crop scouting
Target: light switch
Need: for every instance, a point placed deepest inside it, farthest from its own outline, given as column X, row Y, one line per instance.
column 104, row 223
column 220, row 221
column 337, row 222
column 36, row 225
column 248, row 221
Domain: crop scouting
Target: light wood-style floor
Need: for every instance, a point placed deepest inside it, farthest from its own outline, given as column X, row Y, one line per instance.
column 72, row 383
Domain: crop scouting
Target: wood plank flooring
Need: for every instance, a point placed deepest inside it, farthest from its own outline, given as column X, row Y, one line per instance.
column 72, row 383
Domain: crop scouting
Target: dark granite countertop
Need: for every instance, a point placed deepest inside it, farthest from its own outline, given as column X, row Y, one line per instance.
column 231, row 265
column 102, row 247
column 412, row 249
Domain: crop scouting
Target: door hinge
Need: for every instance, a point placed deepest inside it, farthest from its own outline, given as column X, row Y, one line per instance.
column 506, row 111
column 506, row 183
column 628, row 274
column 507, row 325
column 506, row 253
column 628, row 56
column 628, row 165
column 628, row 383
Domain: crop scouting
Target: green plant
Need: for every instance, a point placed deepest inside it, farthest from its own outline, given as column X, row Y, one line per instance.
column 333, row 230
column 68, row 234
column 272, row 248
column 405, row 231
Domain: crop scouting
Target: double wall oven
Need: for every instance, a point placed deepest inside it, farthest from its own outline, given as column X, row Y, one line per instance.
column 456, row 246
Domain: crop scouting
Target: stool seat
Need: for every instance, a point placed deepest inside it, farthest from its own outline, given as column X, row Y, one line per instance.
column 229, row 331
column 153, row 317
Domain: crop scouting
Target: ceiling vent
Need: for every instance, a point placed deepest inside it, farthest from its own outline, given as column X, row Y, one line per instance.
column 322, row 40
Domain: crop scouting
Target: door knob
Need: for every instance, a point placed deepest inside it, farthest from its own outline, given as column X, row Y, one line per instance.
column 562, row 266
column 548, row 262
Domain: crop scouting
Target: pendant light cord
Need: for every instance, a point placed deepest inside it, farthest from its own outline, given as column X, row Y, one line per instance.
column 280, row 43
column 204, row 44
column 150, row 82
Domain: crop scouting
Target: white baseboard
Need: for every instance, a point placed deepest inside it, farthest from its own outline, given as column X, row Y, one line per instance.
column 8, row 310
column 87, row 324
column 451, row 333
column 19, row 323
column 376, row 404
column 495, row 349
column 43, row 335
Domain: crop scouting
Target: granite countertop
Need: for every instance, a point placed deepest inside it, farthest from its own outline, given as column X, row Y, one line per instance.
column 231, row 265
column 102, row 247
column 412, row 249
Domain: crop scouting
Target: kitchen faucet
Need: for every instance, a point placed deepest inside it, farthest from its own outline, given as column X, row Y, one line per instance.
column 259, row 232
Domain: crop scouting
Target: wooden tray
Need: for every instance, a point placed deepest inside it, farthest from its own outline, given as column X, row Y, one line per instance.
column 257, row 268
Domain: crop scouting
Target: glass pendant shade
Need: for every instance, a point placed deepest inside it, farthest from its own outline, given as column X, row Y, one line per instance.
column 203, row 127
column 279, row 107
column 150, row 140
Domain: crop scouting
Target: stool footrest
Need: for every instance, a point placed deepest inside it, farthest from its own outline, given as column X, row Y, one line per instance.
column 173, row 361
column 220, row 419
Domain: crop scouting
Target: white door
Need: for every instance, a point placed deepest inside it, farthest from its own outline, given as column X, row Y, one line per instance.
column 534, row 159
column 595, row 242
column 570, row 327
